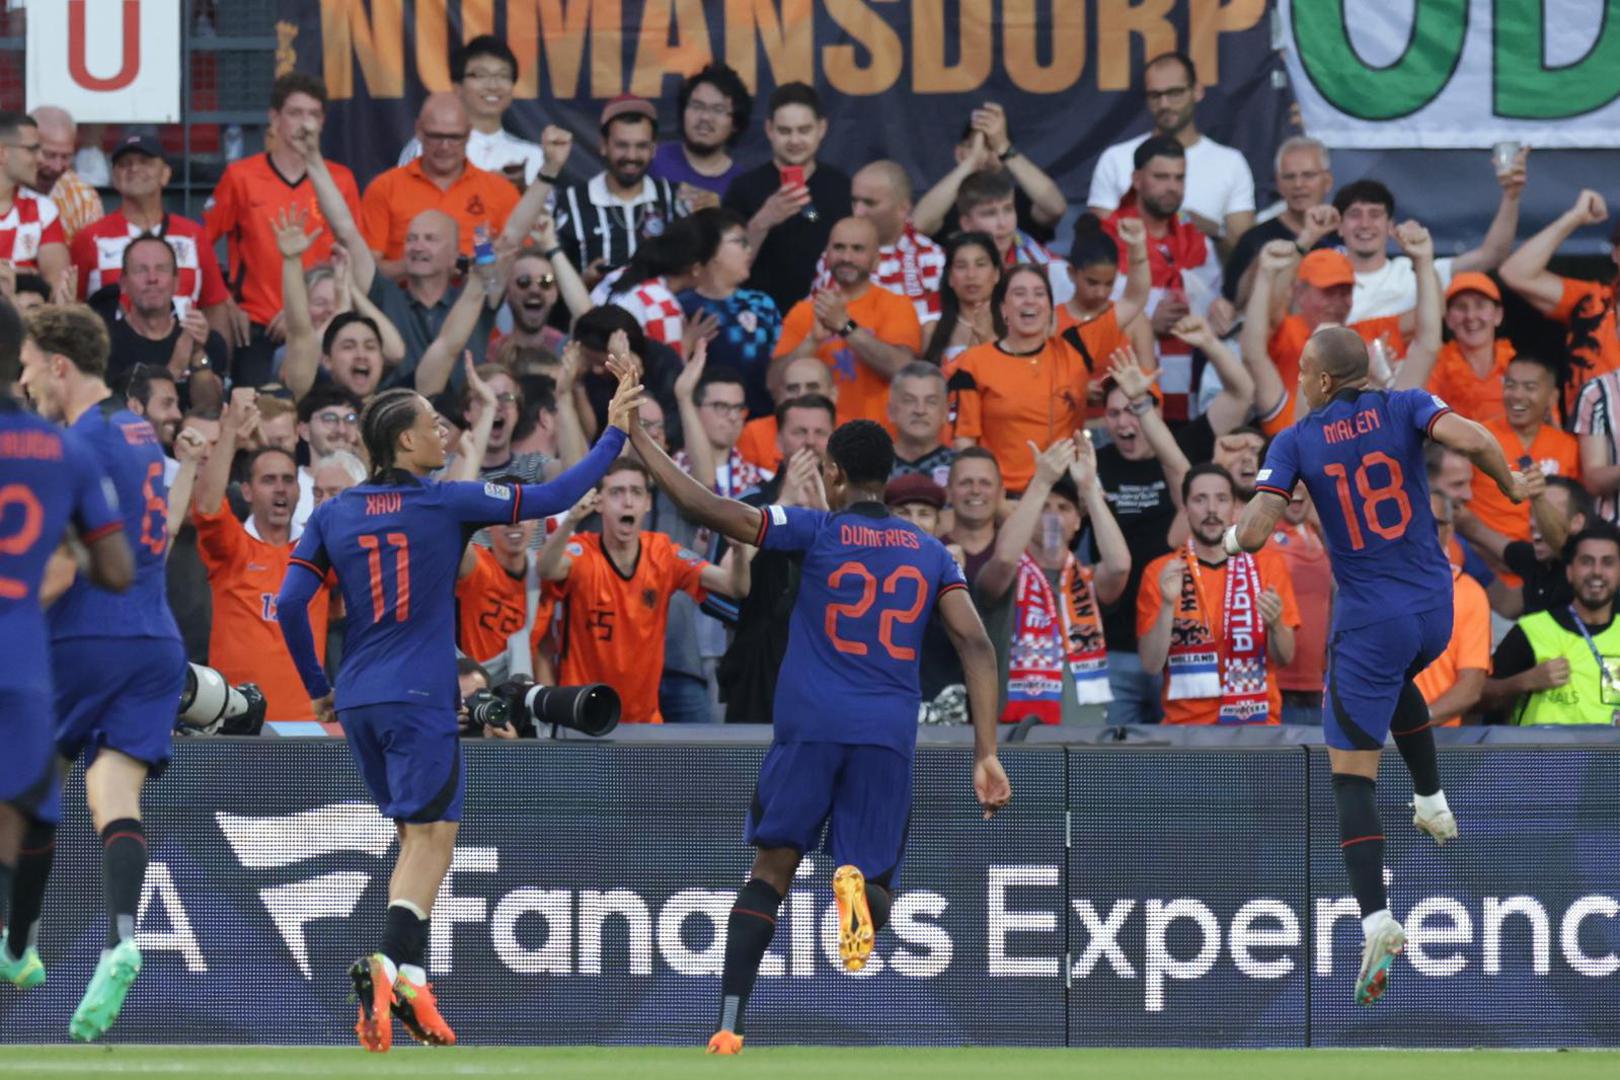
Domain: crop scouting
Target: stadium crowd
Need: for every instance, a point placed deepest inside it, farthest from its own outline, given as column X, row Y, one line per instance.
column 1079, row 429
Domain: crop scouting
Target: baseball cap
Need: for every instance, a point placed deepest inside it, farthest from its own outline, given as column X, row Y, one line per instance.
column 913, row 488
column 1326, row 269
column 1473, row 281
column 628, row 105
column 138, row 144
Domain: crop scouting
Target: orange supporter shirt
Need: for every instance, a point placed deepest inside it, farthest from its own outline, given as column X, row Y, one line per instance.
column 492, row 605
column 1006, row 401
column 1287, row 344
column 1470, row 394
column 614, row 630
column 398, row 195
column 758, row 443
column 1311, row 574
column 1554, row 452
column 1470, row 644
column 245, row 644
column 863, row 394
column 1273, row 575
column 1588, row 309
column 1101, row 334
column 243, row 210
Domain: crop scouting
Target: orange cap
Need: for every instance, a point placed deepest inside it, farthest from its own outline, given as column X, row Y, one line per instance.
column 1326, row 269
column 1473, row 281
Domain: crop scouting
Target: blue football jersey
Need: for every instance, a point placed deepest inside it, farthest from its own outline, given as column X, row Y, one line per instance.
column 126, row 448
column 1361, row 458
column 868, row 589
column 47, row 480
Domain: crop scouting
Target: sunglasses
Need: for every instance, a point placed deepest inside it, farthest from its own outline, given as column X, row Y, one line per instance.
column 545, row 281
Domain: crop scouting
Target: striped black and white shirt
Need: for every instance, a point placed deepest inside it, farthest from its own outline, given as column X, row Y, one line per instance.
column 1597, row 412
column 592, row 223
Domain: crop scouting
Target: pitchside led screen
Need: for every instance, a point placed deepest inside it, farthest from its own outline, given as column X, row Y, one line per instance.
column 1128, row 896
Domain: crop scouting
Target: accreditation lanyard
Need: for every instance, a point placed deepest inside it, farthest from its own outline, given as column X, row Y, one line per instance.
column 1605, row 680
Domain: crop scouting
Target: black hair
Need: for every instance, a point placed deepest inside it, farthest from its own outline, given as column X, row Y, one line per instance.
column 10, row 122
column 1175, row 58
column 670, row 252
column 1364, row 191
column 950, row 308
column 138, row 382
column 1205, row 468
column 1595, row 530
column 324, row 396
column 712, row 223
column 11, row 338
column 1092, row 246
column 466, row 665
column 1580, row 500
column 482, row 45
column 341, row 320
column 593, row 329
column 794, row 93
column 1158, row 146
column 390, row 414
column 253, row 459
column 1539, row 361
column 726, row 80
column 33, row 283
column 717, row 375
column 807, row 401
column 864, row 451
column 148, row 238
column 296, row 82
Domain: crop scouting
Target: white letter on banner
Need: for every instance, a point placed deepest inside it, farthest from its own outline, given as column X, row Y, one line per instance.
column 1329, row 912
column 595, row 908
column 179, row 937
column 449, row 909
column 1421, row 931
column 1496, row 913
column 1102, row 938
column 556, row 907
column 1159, row 964
column 829, row 947
column 1000, row 921
column 1597, row 967
column 1245, row 937
column 907, row 920
column 713, row 906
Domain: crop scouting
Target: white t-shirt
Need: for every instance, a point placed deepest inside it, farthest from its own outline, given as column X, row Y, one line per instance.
column 306, row 499
column 1218, row 179
column 1391, row 289
column 491, row 152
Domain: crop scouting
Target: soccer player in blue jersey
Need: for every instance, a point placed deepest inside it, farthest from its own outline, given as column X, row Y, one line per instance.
column 1360, row 455
column 395, row 543
column 48, row 481
column 847, row 697
column 119, row 663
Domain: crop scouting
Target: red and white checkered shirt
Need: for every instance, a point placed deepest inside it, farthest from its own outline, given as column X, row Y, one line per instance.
column 913, row 266
column 98, row 256
column 651, row 302
column 31, row 223
column 733, row 476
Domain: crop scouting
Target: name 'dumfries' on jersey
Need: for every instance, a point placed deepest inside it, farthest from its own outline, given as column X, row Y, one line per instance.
column 866, row 536
column 1367, row 420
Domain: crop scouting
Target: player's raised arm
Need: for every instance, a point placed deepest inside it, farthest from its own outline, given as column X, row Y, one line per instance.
column 306, row 572
column 1479, row 446
column 1256, row 525
column 978, row 655
column 736, row 520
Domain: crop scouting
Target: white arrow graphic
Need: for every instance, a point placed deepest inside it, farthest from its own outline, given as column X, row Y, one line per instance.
column 329, row 896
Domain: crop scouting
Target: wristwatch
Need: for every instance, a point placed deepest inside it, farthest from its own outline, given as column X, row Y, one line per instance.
column 1142, row 405
column 552, row 180
column 1008, row 154
column 849, row 327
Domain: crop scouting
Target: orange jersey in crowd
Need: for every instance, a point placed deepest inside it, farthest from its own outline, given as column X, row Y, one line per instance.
column 398, row 195
column 245, row 644
column 1469, row 394
column 863, row 394
column 243, row 210
column 1587, row 308
column 1311, row 574
column 1101, row 334
column 1006, row 402
column 1287, row 344
column 757, row 445
column 1273, row 575
column 1470, row 644
column 614, row 629
column 492, row 605
column 1554, row 452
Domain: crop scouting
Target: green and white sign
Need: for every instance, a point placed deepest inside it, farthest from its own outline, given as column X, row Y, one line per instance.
column 1455, row 73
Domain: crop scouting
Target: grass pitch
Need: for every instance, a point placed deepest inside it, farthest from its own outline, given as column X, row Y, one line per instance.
column 798, row 1063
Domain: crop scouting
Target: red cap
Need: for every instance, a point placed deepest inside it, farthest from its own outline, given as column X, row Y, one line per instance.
column 1473, row 281
column 1326, row 269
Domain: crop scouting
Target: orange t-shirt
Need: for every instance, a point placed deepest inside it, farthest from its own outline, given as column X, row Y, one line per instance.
column 1470, row 644
column 1101, row 333
column 1273, row 575
column 614, row 630
column 1287, row 344
column 757, row 445
column 243, row 210
column 1588, row 309
column 1311, row 574
column 863, row 394
column 1455, row 382
column 245, row 643
column 1006, row 402
column 398, row 195
column 492, row 605
column 1554, row 452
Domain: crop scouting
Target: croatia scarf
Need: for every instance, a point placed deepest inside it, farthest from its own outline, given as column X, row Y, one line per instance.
column 1051, row 631
column 1200, row 667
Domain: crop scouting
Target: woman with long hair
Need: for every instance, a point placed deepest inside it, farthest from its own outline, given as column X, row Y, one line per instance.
column 972, row 271
column 646, row 286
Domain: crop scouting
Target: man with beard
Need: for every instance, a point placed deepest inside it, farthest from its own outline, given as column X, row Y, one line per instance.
column 30, row 230
column 246, row 561
column 909, row 264
column 1557, row 666
column 601, row 222
column 864, row 334
column 714, row 107
column 531, row 294
column 1220, row 187
column 617, row 585
column 146, row 329
column 328, row 421
column 484, row 72
column 77, row 202
column 150, row 391
column 1238, row 452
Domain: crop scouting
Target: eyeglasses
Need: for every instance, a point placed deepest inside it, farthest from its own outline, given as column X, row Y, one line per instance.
column 726, row 408
column 1175, row 93
column 506, row 397
column 652, row 425
column 545, row 281
column 705, row 109
column 347, row 419
column 444, row 137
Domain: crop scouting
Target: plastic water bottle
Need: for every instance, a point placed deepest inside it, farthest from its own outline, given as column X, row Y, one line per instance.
column 1051, row 535
column 233, row 142
column 484, row 260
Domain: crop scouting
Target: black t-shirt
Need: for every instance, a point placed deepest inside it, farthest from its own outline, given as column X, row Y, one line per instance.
column 1139, row 496
column 1515, row 656
column 130, row 348
column 1546, row 586
column 785, row 264
column 1248, row 249
column 747, row 673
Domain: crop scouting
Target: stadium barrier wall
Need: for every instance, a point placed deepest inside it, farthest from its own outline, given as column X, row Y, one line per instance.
column 1128, row 896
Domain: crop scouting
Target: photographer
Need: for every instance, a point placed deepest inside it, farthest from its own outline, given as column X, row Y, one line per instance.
column 474, row 683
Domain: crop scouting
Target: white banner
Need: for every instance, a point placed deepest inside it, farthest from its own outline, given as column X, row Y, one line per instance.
column 106, row 61
column 1455, row 73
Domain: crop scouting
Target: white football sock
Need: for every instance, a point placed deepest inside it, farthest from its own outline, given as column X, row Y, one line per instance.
column 1371, row 923
column 1430, row 805
column 415, row 974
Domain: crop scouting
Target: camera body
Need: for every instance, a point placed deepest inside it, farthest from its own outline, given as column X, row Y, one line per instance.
column 211, row 706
